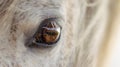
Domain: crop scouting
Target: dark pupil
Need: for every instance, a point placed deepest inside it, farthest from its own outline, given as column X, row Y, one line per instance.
column 52, row 33
column 48, row 33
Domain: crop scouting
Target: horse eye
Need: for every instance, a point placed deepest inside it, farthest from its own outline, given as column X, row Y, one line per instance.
column 48, row 33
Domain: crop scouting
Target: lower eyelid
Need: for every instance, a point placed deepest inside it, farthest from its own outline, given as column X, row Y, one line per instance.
column 33, row 44
column 42, row 44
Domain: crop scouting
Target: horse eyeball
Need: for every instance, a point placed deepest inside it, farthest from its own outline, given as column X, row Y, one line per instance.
column 48, row 33
column 51, row 33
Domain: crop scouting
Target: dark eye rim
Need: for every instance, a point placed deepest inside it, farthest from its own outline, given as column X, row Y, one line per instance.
column 33, row 43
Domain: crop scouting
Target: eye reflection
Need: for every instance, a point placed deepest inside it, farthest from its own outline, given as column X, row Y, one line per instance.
column 48, row 33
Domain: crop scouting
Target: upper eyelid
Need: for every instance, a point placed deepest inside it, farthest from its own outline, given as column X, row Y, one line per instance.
column 51, row 13
column 58, row 20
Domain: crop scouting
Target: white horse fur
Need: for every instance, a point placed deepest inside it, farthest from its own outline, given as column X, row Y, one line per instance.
column 85, row 36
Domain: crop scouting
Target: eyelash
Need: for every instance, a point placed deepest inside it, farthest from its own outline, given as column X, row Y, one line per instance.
column 48, row 33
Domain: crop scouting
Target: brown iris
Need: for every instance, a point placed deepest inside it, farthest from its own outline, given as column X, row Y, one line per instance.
column 48, row 32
